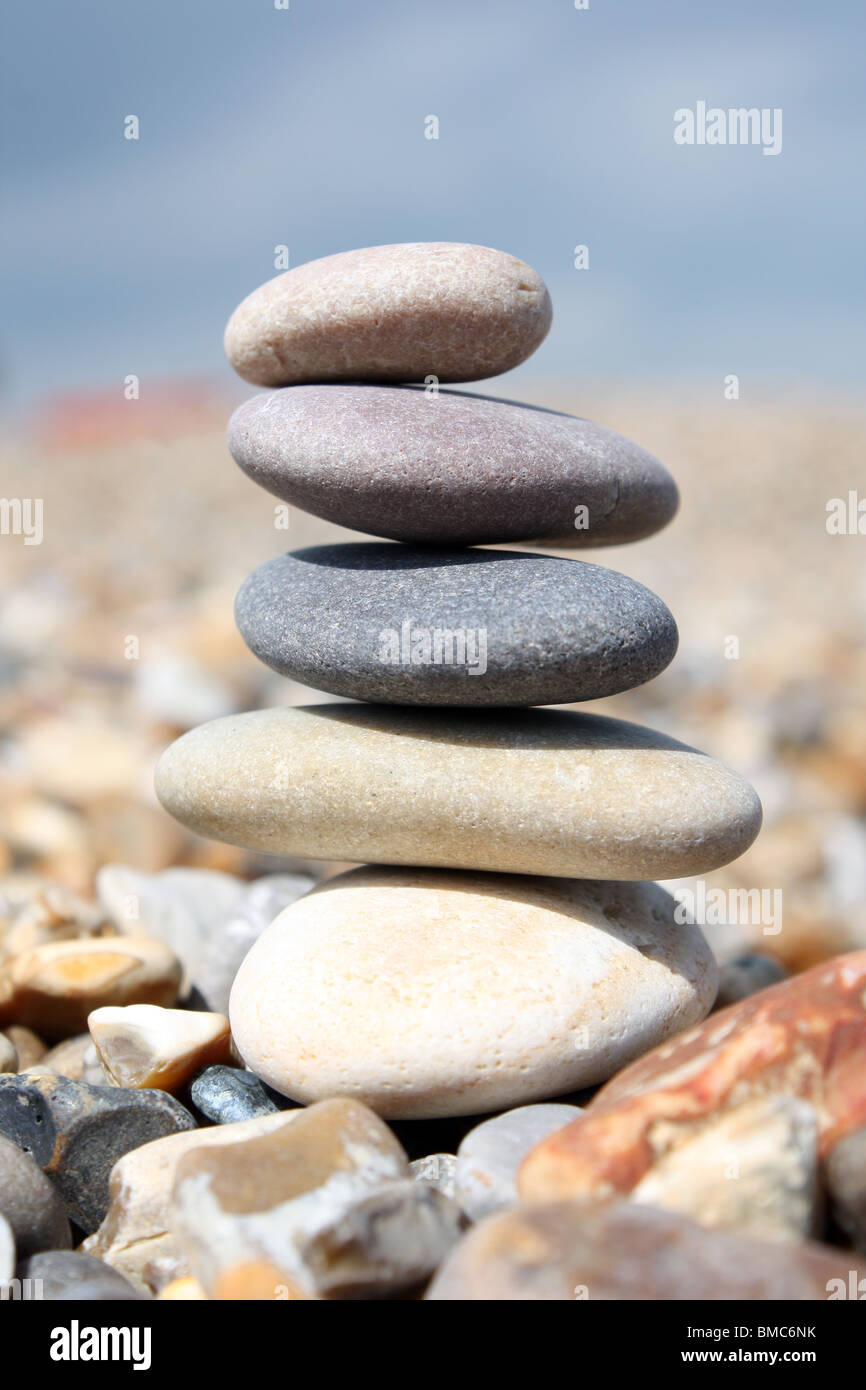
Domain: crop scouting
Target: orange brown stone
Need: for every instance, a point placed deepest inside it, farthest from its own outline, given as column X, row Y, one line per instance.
column 805, row 1037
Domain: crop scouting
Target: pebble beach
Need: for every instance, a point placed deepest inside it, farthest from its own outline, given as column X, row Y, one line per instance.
column 432, row 826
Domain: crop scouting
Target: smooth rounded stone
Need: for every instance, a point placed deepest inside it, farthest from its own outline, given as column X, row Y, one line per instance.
column 804, row 1038
column 227, row 1095
column 146, row 1047
column 754, row 1169
column 621, row 1251
column 456, row 627
column 55, row 988
column 68, row 1276
column 76, row 1132
column 30, row 1203
column 490, row 1155
column 136, row 1235
column 527, row 792
column 208, row 919
column 7, row 1251
column 438, row 1169
column 450, row 468
column 428, row 993
column 325, row 1206
column 746, row 975
column 391, row 313
column 8, row 1054
column 845, row 1178
column 27, row 1044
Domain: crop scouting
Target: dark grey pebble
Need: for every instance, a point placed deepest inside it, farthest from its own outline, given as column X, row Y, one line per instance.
column 77, row 1132
column 396, row 625
column 225, row 1095
column 30, row 1203
column 68, row 1276
column 746, row 975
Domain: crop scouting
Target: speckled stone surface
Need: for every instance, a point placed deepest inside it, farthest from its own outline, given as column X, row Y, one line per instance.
column 429, row 627
column 527, row 792
column 427, row 993
column 450, row 468
column 391, row 313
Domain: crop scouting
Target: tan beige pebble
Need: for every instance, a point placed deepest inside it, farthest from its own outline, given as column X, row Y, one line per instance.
column 56, row 914
column 75, row 1058
column 136, row 1236
column 77, row 758
column 144, row 1046
column 624, row 1252
column 391, row 313
column 430, row 993
column 123, row 829
column 55, row 988
column 530, row 791
column 327, row 1208
column 186, row 1290
column 16, row 890
column 27, row 1044
column 8, row 1054
column 38, row 828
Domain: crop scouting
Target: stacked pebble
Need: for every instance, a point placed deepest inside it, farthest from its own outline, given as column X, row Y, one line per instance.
column 501, row 944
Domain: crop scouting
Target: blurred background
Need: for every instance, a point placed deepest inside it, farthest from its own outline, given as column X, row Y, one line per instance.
column 719, row 322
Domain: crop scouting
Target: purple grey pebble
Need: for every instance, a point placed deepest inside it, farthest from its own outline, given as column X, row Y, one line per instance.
column 449, row 467
column 397, row 625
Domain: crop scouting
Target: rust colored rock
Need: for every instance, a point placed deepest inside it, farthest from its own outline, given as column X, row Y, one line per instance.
column 805, row 1037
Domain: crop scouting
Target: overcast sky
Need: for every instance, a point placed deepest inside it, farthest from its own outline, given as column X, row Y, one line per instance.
column 305, row 127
